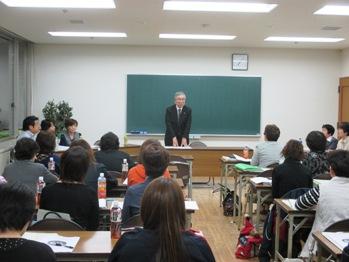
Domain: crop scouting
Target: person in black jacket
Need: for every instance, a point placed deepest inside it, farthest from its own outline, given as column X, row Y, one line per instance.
column 70, row 195
column 291, row 174
column 163, row 237
column 178, row 122
column 110, row 155
column 17, row 205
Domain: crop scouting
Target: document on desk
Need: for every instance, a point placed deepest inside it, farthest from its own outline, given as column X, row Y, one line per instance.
column 191, row 205
column 290, row 202
column 261, row 180
column 177, row 147
column 340, row 239
column 241, row 159
column 59, row 244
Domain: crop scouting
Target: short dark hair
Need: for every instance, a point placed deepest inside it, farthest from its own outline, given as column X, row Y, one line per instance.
column 26, row 149
column 316, row 141
column 74, row 164
column 272, row 132
column 109, row 141
column 293, row 149
column 330, row 129
column 46, row 142
column 345, row 127
column 85, row 145
column 70, row 122
column 45, row 124
column 144, row 145
column 339, row 162
column 155, row 160
column 29, row 121
column 17, row 205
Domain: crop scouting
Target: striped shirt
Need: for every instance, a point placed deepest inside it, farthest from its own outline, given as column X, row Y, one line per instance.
column 309, row 199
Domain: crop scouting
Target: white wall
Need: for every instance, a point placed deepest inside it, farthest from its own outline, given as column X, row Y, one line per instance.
column 299, row 87
column 345, row 63
column 6, row 95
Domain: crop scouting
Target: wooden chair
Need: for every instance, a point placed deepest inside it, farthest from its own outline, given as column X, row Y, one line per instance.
column 55, row 224
column 182, row 166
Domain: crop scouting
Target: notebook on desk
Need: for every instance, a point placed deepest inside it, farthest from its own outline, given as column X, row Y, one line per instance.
column 340, row 239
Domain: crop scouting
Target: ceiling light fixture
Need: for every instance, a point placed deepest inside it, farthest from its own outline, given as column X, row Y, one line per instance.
column 106, row 4
column 303, row 39
column 333, row 10
column 88, row 34
column 218, row 6
column 197, row 37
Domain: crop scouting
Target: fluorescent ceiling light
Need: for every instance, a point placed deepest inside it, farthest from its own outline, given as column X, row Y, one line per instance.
column 303, row 39
column 88, row 34
column 61, row 3
column 218, row 6
column 200, row 37
column 333, row 10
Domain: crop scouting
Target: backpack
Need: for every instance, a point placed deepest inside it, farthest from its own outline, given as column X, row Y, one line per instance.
column 248, row 242
column 228, row 201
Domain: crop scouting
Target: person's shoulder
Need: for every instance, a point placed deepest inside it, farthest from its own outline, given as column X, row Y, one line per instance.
column 42, row 251
column 171, row 107
column 192, row 240
column 187, row 108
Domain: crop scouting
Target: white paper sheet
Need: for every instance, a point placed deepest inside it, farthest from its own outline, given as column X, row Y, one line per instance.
column 242, row 159
column 56, row 242
column 191, row 205
column 340, row 239
column 260, row 180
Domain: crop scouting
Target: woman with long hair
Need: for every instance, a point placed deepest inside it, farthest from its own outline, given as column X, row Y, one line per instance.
column 163, row 237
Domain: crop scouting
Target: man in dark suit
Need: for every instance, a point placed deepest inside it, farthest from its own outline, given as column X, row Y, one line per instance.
column 178, row 122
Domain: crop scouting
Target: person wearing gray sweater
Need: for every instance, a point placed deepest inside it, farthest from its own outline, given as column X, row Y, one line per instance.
column 23, row 169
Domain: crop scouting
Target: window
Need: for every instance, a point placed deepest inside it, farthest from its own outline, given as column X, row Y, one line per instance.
column 15, row 83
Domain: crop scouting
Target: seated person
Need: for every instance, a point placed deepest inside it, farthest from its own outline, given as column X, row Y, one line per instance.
column 94, row 169
column 47, row 144
column 23, row 169
column 331, row 198
column 268, row 152
column 343, row 135
column 70, row 194
column 70, row 134
column 155, row 161
column 291, row 174
column 110, row 155
column 136, row 174
column 316, row 160
column 328, row 131
column 19, row 202
column 48, row 126
column 30, row 129
column 163, row 235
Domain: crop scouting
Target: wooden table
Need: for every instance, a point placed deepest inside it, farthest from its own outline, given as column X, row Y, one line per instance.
column 207, row 160
column 296, row 220
column 264, row 193
column 92, row 246
column 324, row 243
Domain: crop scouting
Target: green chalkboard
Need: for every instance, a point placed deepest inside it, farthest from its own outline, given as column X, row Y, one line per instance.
column 220, row 105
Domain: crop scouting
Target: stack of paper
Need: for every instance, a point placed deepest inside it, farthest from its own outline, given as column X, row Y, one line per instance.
column 56, row 242
column 242, row 159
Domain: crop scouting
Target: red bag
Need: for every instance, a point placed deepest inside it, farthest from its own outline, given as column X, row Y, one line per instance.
column 248, row 241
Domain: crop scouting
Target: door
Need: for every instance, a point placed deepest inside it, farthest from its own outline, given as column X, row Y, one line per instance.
column 343, row 112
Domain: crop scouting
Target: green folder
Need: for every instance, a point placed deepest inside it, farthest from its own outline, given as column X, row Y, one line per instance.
column 249, row 168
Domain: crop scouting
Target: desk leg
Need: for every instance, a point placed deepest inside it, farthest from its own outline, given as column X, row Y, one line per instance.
column 190, row 185
column 220, row 191
column 258, row 211
column 240, row 200
column 319, row 253
column 234, row 195
column 277, row 233
column 290, row 236
column 250, row 203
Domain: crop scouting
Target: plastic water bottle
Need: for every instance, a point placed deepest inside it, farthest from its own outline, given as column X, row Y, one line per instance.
column 51, row 165
column 39, row 186
column 124, row 170
column 245, row 152
column 102, row 186
column 115, row 220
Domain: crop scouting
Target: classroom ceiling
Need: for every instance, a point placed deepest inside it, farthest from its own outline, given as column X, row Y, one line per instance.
column 143, row 20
